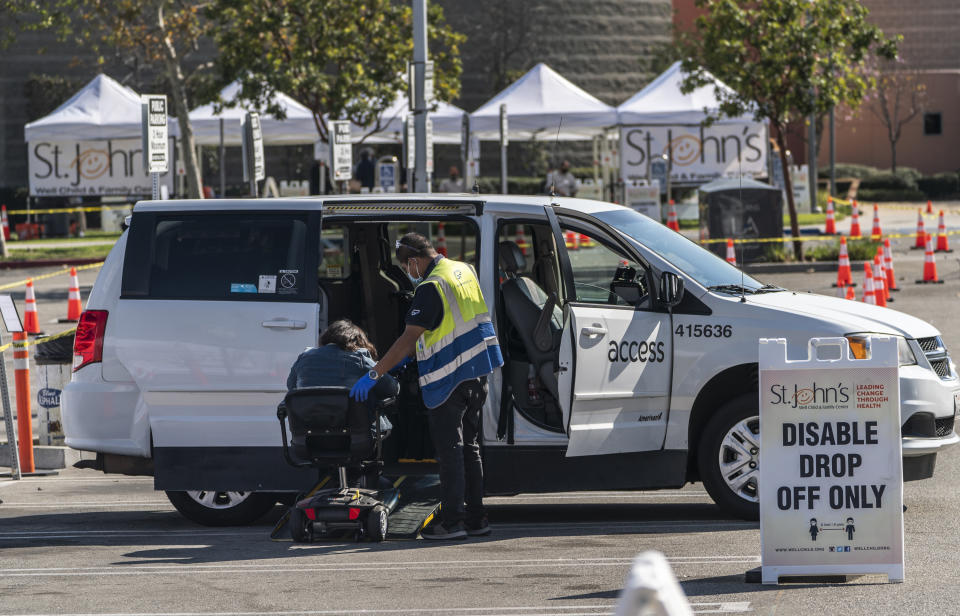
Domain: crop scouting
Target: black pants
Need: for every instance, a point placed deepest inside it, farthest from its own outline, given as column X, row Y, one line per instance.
column 454, row 426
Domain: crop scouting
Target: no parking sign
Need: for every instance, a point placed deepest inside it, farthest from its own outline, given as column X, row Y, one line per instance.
column 831, row 477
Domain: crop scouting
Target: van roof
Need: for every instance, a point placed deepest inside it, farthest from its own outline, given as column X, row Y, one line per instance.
column 518, row 204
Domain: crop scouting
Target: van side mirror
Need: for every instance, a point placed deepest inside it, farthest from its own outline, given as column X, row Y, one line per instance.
column 671, row 289
column 628, row 291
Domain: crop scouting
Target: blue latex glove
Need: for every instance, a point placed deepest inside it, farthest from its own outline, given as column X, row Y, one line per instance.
column 400, row 366
column 361, row 389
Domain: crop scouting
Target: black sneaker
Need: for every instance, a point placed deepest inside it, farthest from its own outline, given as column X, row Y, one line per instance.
column 478, row 528
column 438, row 531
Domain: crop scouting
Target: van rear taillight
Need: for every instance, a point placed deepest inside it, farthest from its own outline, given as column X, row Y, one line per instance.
column 88, row 341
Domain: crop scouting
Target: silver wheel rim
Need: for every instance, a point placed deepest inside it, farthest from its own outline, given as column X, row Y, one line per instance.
column 739, row 458
column 383, row 523
column 218, row 500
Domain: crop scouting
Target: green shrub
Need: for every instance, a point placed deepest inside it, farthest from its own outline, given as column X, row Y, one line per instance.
column 889, row 181
column 903, row 194
column 859, row 250
column 848, row 170
column 940, row 185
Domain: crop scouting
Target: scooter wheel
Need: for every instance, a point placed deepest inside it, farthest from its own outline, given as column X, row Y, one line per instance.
column 376, row 525
column 299, row 529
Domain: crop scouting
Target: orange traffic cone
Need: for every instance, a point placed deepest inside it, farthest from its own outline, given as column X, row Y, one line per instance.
column 921, row 234
column 572, row 240
column 929, row 207
column 868, row 296
column 888, row 266
column 731, row 254
column 31, row 322
column 942, row 244
column 855, row 223
column 672, row 222
column 851, row 294
column 522, row 240
column 929, row 264
column 441, row 240
column 4, row 222
column 876, row 231
column 844, row 276
column 74, row 306
column 831, row 219
column 879, row 280
column 586, row 241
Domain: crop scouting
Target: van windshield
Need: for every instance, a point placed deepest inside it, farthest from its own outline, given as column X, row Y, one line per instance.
column 702, row 265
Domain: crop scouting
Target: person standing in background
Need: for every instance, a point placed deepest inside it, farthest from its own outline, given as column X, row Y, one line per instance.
column 454, row 183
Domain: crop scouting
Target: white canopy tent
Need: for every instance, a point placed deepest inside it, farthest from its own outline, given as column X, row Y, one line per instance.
column 536, row 103
column 662, row 102
column 447, row 120
column 102, row 109
column 297, row 129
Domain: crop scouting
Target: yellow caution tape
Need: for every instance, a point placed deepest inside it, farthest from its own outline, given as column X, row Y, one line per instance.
column 66, row 270
column 22, row 344
column 820, row 238
column 95, row 208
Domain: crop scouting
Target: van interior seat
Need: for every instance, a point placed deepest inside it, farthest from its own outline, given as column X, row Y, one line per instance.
column 534, row 315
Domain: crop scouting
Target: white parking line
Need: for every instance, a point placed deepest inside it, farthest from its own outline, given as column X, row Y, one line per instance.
column 358, row 565
column 727, row 607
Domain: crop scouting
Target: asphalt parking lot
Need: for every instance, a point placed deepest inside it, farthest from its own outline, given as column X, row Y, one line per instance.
column 85, row 543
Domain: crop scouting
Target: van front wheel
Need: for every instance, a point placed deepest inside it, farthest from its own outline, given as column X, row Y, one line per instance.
column 212, row 508
column 729, row 457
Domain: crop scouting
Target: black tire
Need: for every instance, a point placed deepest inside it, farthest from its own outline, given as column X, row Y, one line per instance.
column 376, row 524
column 734, row 433
column 251, row 508
column 299, row 531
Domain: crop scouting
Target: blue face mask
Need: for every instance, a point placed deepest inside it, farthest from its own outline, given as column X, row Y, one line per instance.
column 414, row 280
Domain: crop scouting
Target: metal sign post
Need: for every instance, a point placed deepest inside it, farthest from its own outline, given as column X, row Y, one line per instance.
column 464, row 144
column 409, row 151
column 504, row 142
column 341, row 155
column 11, row 319
column 420, row 93
column 253, row 167
column 155, row 148
column 429, row 165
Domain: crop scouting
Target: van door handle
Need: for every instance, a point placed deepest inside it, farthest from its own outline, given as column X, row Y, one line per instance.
column 595, row 330
column 284, row 324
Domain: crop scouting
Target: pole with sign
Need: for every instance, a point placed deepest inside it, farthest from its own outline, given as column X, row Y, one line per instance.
column 504, row 142
column 155, row 147
column 341, row 152
column 252, row 145
column 429, row 158
column 409, row 151
column 831, row 477
column 11, row 320
column 465, row 146
column 420, row 93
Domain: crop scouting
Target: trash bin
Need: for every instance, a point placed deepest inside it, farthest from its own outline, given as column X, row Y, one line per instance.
column 734, row 208
column 54, row 360
column 57, row 225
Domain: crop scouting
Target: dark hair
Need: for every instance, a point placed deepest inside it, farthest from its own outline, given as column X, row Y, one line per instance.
column 348, row 337
column 413, row 245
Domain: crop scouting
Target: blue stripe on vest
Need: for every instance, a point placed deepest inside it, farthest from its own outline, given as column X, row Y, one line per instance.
column 459, row 344
column 436, row 393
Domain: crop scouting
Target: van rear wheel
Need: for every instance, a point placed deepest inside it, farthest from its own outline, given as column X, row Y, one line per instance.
column 213, row 508
column 729, row 457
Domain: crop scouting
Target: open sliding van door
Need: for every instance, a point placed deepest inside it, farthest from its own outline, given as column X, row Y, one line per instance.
column 216, row 304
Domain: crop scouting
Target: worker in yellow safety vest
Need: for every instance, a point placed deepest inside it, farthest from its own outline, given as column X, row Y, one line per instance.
column 449, row 326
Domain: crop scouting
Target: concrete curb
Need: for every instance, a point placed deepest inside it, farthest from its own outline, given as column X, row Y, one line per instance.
column 46, row 263
column 45, row 457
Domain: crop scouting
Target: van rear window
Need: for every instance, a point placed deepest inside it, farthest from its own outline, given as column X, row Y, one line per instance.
column 220, row 256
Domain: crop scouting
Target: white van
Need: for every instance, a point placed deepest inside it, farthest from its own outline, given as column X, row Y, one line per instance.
column 631, row 352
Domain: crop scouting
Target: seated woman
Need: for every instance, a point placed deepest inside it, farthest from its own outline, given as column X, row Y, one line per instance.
column 344, row 355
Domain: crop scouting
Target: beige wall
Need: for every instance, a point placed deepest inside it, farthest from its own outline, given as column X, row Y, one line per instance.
column 864, row 139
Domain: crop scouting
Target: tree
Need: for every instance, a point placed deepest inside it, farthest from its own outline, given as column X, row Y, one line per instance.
column 342, row 59
column 784, row 60
column 897, row 98
column 154, row 33
column 503, row 37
